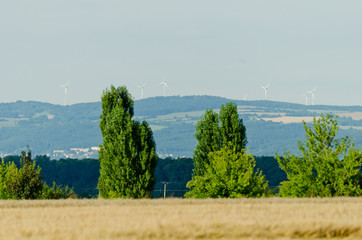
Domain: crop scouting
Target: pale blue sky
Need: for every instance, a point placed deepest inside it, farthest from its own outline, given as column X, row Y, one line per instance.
column 222, row 48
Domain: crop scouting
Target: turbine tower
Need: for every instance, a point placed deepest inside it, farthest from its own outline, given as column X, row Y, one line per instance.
column 265, row 91
column 244, row 98
column 306, row 98
column 164, row 84
column 142, row 88
column 312, row 92
column 65, row 86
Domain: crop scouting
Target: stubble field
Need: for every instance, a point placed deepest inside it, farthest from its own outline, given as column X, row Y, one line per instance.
column 271, row 218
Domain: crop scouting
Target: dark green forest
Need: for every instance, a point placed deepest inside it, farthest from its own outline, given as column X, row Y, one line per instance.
column 82, row 175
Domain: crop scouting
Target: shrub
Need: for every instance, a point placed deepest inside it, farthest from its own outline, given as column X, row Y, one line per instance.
column 26, row 182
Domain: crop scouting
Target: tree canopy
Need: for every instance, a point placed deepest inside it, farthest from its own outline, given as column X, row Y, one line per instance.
column 222, row 167
column 25, row 182
column 215, row 131
column 228, row 174
column 327, row 166
column 127, row 156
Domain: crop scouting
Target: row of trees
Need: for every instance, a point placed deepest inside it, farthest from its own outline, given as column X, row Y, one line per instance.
column 223, row 167
column 82, row 175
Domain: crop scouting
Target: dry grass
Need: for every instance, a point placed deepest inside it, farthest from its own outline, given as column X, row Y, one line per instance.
column 272, row 218
column 288, row 119
column 353, row 115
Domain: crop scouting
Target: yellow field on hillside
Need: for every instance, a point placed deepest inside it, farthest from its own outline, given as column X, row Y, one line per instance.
column 271, row 218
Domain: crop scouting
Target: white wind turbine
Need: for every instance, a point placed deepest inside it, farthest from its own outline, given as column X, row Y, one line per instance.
column 306, row 98
column 265, row 91
column 142, row 88
column 65, row 86
column 312, row 92
column 164, row 84
column 244, row 98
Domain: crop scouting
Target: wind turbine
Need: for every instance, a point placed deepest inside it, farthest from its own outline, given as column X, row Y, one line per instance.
column 265, row 91
column 306, row 98
column 164, row 84
column 244, row 98
column 142, row 87
column 312, row 92
column 65, row 86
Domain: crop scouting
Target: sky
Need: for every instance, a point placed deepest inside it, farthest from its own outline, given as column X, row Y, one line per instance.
column 201, row 47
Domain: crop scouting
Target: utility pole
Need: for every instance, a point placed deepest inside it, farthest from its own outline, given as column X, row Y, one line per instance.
column 165, row 188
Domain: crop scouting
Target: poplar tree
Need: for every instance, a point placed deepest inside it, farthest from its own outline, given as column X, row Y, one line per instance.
column 327, row 166
column 222, row 167
column 215, row 131
column 127, row 156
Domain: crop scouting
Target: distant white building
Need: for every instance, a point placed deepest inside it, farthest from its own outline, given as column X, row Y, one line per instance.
column 58, row 151
column 80, row 149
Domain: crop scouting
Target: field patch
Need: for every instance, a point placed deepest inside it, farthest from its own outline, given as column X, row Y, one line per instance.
column 289, row 119
column 157, row 127
column 351, row 127
column 353, row 115
column 271, row 218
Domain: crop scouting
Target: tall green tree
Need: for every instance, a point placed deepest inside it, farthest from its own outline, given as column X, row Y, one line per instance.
column 222, row 167
column 208, row 140
column 127, row 156
column 215, row 131
column 327, row 166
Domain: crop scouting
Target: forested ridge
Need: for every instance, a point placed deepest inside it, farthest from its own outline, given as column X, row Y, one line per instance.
column 46, row 127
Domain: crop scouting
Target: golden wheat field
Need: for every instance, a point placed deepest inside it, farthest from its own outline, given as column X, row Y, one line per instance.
column 270, row 218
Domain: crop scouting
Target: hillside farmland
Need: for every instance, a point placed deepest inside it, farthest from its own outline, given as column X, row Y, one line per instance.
column 271, row 126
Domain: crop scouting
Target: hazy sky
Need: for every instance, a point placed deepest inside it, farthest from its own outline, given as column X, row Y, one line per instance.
column 223, row 48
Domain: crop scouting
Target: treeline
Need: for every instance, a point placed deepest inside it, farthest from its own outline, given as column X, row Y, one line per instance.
column 222, row 165
column 37, row 110
column 152, row 107
column 82, row 174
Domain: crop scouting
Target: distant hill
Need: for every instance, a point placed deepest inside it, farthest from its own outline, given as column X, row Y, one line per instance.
column 271, row 126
